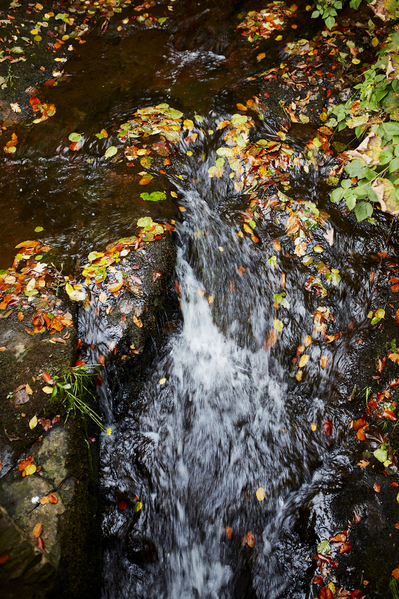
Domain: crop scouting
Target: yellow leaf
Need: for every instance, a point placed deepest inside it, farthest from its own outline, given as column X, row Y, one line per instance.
column 138, row 506
column 173, row 194
column 28, row 389
column 247, row 228
column 189, row 153
column 109, row 431
column 324, row 361
column 318, row 249
column 375, row 42
column 299, row 375
column 323, row 117
column 31, row 469
column 48, row 390
column 260, row 494
column 380, row 313
column 33, row 422
column 303, row 360
column 313, row 426
column 241, row 106
column 188, row 124
column 162, row 381
column 307, row 341
column 261, row 55
column 355, row 61
column 278, row 38
column 278, row 325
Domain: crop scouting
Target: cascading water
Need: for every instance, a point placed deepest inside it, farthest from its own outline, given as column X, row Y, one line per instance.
column 216, row 419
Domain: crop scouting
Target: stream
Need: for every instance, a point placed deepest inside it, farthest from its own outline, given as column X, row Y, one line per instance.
column 221, row 411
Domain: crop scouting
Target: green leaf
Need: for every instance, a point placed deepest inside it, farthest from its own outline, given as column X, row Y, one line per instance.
column 225, row 152
column 330, row 22
column 155, row 196
column 74, row 137
column 363, row 210
column 337, row 195
column 394, row 165
column 324, row 547
column 39, row 229
column 238, row 119
column 146, row 222
column 391, row 128
column 381, row 455
column 162, row 20
column 111, row 151
column 219, row 162
column 355, row 168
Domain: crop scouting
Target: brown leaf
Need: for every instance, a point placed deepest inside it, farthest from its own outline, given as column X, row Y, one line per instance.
column 229, row 532
column 46, row 424
column 156, row 275
column 101, row 359
column 248, row 539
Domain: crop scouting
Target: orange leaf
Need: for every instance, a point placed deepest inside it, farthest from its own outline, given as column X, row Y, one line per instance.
column 102, row 297
column 395, row 573
column 229, row 532
column 324, row 361
column 52, row 497
column 114, row 287
column 101, row 359
column 4, row 558
column 24, row 463
column 145, row 180
column 46, row 377
column 376, row 487
column 37, row 530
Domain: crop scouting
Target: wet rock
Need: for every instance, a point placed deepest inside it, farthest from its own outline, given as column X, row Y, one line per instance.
column 25, row 570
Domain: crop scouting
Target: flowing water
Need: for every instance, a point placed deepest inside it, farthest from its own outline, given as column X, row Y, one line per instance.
column 219, row 413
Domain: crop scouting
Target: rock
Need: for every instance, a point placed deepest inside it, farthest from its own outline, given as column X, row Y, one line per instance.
column 26, row 572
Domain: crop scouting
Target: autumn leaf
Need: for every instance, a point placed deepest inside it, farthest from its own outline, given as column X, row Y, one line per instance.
column 4, row 558
column 248, row 539
column 111, row 151
column 327, row 428
column 33, row 422
column 29, row 470
column 303, row 360
column 46, row 377
column 260, row 494
column 37, row 530
column 376, row 487
column 122, row 505
column 40, row 543
column 363, row 463
column 324, row 361
column 229, row 532
column 395, row 573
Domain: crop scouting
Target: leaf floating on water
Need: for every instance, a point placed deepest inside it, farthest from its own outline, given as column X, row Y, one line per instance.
column 303, row 360
column 74, row 137
column 313, row 426
column 111, row 151
column 278, row 325
column 363, row 464
column 102, row 297
column 260, row 494
column 324, row 361
column 155, row 196
column 376, row 487
column 328, row 428
column 248, row 539
column 122, row 505
column 29, row 470
column 138, row 506
column 229, row 532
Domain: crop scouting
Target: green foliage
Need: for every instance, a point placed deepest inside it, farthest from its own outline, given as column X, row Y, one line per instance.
column 327, row 10
column 73, row 391
column 374, row 167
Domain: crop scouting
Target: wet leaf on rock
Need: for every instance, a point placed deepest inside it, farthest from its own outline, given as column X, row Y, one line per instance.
column 37, row 530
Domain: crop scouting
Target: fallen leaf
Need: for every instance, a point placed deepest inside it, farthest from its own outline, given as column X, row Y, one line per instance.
column 248, row 539
column 138, row 506
column 102, row 297
column 4, row 558
column 376, row 487
column 46, row 377
column 33, row 422
column 324, row 361
column 48, row 390
column 37, row 530
column 395, row 573
column 363, row 463
column 40, row 543
column 303, row 360
column 28, row 389
column 31, row 469
column 122, row 505
column 260, row 494
column 229, row 532
column 313, row 426
column 328, row 428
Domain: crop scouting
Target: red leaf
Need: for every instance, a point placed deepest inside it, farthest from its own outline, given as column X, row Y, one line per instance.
column 328, row 428
column 4, row 558
column 46, row 377
column 359, row 423
column 395, row 288
column 122, row 505
column 389, row 414
column 40, row 543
